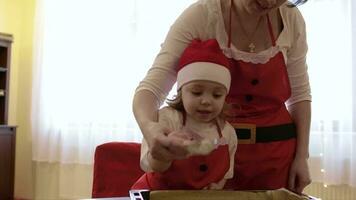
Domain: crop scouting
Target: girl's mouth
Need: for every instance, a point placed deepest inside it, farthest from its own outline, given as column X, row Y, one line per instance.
column 204, row 112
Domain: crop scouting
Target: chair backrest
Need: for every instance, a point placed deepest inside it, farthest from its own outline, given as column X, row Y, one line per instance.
column 116, row 168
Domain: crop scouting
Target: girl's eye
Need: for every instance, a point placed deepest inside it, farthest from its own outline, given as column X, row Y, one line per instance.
column 196, row 93
column 217, row 95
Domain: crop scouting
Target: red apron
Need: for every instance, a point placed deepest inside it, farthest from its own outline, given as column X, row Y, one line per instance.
column 195, row 172
column 257, row 96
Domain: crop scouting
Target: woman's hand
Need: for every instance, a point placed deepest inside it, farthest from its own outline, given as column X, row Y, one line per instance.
column 299, row 176
column 164, row 145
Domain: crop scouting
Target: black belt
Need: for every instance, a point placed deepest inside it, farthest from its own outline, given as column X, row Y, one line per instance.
column 250, row 134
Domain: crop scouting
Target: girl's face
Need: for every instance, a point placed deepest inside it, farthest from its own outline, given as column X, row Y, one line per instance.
column 259, row 7
column 203, row 100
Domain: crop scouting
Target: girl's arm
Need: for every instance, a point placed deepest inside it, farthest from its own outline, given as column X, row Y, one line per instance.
column 216, row 186
column 232, row 141
column 229, row 133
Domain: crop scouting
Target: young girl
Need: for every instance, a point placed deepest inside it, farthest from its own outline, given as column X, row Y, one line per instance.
column 203, row 82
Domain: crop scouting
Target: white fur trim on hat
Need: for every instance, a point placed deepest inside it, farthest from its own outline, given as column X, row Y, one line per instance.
column 204, row 71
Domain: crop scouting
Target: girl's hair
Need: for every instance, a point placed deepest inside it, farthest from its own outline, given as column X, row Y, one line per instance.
column 294, row 3
column 177, row 103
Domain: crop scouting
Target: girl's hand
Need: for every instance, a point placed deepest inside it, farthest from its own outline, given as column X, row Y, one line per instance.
column 299, row 176
column 216, row 186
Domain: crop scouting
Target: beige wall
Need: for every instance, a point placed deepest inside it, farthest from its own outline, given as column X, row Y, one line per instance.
column 17, row 18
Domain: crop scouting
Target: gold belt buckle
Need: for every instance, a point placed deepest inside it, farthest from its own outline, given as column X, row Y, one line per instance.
column 251, row 127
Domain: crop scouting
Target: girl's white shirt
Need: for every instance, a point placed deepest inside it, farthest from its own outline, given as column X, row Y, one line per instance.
column 173, row 119
column 204, row 20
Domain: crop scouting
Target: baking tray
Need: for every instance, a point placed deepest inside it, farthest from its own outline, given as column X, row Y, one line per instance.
column 280, row 194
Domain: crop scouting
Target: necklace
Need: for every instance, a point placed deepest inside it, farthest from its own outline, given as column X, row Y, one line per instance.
column 249, row 36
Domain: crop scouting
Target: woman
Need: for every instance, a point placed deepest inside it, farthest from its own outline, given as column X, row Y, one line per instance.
column 269, row 100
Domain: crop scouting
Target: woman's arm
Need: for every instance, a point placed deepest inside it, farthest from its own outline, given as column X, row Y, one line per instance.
column 301, row 115
column 145, row 109
column 299, row 176
column 163, row 146
column 298, row 104
column 159, row 80
column 158, row 165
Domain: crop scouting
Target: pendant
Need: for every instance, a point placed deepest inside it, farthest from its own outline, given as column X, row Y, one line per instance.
column 252, row 47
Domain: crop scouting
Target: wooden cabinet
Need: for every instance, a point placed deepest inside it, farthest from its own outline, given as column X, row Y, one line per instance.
column 5, row 57
column 7, row 161
column 7, row 133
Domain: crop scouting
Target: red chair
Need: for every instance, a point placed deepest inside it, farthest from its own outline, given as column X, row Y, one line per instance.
column 116, row 168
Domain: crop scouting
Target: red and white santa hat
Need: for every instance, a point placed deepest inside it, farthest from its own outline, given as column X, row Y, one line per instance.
column 203, row 60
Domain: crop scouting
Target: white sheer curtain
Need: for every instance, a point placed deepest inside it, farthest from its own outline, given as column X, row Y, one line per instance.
column 333, row 140
column 89, row 57
column 91, row 54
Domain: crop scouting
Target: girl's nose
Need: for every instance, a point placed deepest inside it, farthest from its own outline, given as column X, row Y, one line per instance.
column 205, row 101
